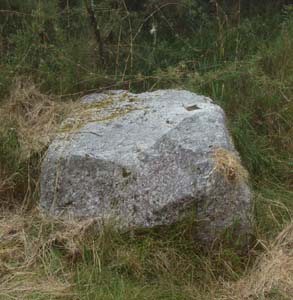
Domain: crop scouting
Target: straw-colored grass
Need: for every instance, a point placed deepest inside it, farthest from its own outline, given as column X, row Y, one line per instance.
column 34, row 116
column 24, row 268
column 228, row 165
column 39, row 257
column 271, row 277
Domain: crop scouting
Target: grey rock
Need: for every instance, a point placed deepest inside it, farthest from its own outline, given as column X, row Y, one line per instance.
column 145, row 160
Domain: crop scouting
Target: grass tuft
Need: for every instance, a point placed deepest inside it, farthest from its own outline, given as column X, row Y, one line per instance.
column 228, row 165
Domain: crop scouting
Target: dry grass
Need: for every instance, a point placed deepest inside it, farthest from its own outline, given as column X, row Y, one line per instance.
column 6, row 183
column 30, row 264
column 29, row 119
column 271, row 275
column 229, row 165
column 33, row 115
column 27, row 263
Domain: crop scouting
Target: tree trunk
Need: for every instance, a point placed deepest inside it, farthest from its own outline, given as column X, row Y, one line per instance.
column 95, row 26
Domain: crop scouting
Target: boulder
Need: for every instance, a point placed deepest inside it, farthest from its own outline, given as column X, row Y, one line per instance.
column 145, row 160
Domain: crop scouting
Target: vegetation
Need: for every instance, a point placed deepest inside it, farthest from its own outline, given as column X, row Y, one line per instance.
column 239, row 53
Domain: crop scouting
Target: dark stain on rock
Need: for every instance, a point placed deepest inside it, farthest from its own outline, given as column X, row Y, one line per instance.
column 192, row 107
column 125, row 173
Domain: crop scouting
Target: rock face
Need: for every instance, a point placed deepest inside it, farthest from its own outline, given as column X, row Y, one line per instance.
column 145, row 160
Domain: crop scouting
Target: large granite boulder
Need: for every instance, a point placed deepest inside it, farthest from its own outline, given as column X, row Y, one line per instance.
column 145, row 160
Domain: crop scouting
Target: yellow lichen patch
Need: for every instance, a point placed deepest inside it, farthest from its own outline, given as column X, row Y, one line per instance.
column 106, row 109
column 97, row 114
column 229, row 165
